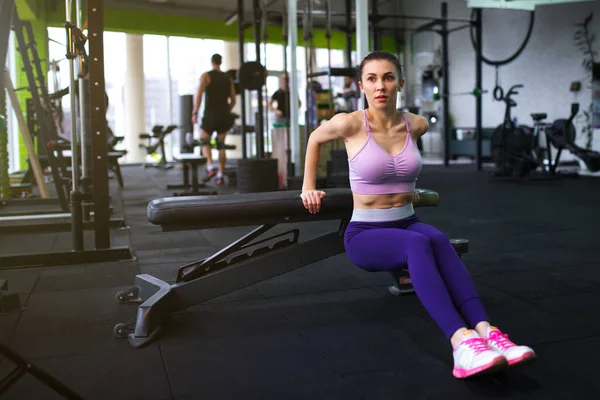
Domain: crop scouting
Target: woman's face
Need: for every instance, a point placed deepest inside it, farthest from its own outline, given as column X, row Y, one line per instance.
column 283, row 81
column 380, row 83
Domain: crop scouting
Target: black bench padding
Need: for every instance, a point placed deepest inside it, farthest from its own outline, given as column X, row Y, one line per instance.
column 249, row 209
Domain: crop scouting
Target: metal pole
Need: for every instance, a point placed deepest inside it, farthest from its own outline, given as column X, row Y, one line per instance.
column 98, row 124
column 348, row 34
column 24, row 366
column 328, row 34
column 259, row 124
column 83, row 102
column 241, row 29
column 478, row 83
column 307, row 38
column 446, row 91
column 375, row 16
column 75, row 196
column 292, row 25
column 362, row 36
column 288, row 150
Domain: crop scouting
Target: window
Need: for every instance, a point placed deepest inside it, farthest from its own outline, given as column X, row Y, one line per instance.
column 114, row 81
column 156, row 86
column 14, row 161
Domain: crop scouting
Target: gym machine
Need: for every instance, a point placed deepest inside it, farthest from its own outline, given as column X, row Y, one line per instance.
column 257, row 174
column 441, row 26
column 98, row 199
column 513, row 147
column 517, row 151
column 158, row 135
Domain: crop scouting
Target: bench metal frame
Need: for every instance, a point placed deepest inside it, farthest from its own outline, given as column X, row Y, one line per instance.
column 246, row 261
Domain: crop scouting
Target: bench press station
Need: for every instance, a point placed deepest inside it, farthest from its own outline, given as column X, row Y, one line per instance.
column 248, row 260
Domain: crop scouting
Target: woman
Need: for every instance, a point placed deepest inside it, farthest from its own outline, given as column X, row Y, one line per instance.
column 384, row 232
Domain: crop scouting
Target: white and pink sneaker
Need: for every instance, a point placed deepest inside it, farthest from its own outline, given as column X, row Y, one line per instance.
column 514, row 354
column 473, row 356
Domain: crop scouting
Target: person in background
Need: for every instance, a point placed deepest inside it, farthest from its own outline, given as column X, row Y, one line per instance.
column 219, row 92
column 280, row 101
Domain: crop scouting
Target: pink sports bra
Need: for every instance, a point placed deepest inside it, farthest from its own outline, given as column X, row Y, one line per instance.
column 374, row 171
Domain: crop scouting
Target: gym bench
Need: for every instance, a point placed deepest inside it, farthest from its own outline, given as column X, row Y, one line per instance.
column 191, row 162
column 248, row 260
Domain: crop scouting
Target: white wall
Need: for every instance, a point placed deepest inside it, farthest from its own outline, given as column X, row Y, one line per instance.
column 546, row 68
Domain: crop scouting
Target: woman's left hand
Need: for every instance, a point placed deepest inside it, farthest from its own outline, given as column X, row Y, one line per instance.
column 415, row 197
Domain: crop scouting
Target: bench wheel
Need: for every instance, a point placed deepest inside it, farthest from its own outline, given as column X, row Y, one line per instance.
column 121, row 330
column 127, row 296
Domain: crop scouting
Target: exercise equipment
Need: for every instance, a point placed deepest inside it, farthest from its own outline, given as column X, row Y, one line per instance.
column 25, row 366
column 476, row 92
column 40, row 100
column 511, row 58
column 441, row 27
column 71, row 205
column 248, row 260
column 252, row 76
column 561, row 134
column 156, row 145
column 186, row 128
column 35, row 167
column 513, row 146
column 191, row 163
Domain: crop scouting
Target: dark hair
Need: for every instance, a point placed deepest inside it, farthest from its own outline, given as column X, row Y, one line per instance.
column 216, row 59
column 380, row 55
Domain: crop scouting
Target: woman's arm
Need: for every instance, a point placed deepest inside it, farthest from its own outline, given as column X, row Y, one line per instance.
column 338, row 127
column 335, row 128
column 418, row 125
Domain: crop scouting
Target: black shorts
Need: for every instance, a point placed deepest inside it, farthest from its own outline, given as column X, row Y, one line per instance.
column 220, row 122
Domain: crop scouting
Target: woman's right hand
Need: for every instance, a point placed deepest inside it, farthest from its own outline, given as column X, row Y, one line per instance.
column 312, row 200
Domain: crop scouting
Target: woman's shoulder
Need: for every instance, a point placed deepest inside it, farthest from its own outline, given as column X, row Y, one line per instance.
column 350, row 123
column 419, row 125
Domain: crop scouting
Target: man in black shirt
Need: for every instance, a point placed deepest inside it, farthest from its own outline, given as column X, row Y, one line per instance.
column 282, row 98
column 219, row 91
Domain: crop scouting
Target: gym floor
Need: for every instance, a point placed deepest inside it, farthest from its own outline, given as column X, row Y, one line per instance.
column 328, row 330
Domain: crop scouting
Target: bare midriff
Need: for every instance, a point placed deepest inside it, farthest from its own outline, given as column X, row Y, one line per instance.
column 382, row 200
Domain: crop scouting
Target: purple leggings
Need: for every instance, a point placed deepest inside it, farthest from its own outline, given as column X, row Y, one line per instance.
column 440, row 279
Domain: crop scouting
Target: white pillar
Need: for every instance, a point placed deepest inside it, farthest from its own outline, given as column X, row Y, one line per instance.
column 231, row 60
column 292, row 21
column 362, row 35
column 135, row 107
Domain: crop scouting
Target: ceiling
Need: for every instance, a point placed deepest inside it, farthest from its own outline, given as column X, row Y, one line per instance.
column 517, row 4
column 223, row 9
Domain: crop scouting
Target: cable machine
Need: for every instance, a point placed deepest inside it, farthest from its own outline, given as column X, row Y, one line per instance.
column 441, row 26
